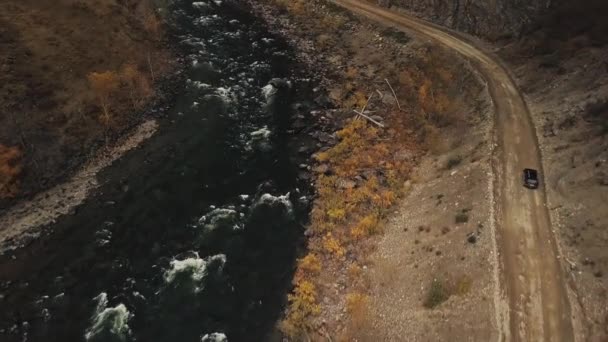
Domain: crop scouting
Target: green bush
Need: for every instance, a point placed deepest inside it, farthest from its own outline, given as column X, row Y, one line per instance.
column 438, row 293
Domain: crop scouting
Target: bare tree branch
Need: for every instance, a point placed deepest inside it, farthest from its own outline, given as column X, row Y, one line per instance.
column 394, row 95
column 366, row 102
column 368, row 118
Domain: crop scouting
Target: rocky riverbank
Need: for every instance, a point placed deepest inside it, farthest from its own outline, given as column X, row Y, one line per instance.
column 417, row 100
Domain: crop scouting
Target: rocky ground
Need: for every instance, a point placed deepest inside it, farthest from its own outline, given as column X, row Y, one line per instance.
column 441, row 229
column 488, row 19
column 510, row 20
column 564, row 76
column 434, row 273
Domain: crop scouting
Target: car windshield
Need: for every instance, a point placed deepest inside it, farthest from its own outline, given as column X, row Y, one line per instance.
column 531, row 174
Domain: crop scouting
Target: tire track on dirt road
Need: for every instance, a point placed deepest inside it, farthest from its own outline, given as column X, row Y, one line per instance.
column 530, row 273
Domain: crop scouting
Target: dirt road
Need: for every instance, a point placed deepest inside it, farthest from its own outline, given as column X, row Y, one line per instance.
column 533, row 302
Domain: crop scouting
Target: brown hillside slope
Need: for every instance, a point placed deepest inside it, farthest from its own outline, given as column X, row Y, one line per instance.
column 47, row 49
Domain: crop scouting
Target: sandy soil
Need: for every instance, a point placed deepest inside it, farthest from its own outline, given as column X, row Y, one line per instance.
column 424, row 243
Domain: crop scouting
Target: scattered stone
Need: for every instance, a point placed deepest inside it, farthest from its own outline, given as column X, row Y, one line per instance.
column 346, row 183
column 323, row 168
column 303, row 149
column 588, row 262
column 304, row 175
column 323, row 101
column 309, row 232
column 407, row 185
column 388, row 98
column 323, row 137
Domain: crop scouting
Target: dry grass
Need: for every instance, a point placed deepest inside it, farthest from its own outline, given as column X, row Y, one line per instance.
column 385, row 272
column 110, row 87
column 359, row 325
column 294, row 7
column 433, row 87
column 343, row 217
column 53, row 47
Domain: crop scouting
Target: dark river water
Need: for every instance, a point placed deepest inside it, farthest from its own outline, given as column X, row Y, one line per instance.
column 193, row 236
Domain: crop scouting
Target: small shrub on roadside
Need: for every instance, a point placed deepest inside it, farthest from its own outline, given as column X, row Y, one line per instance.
column 461, row 217
column 453, row 162
column 462, row 285
column 399, row 36
column 437, row 293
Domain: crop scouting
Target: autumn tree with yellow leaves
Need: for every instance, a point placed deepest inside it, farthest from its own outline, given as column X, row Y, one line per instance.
column 104, row 84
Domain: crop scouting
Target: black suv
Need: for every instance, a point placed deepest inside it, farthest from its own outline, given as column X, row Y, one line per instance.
column 531, row 178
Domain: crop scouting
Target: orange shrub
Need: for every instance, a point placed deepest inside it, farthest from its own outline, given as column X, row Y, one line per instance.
column 10, row 169
column 307, row 266
column 302, row 306
column 332, row 245
column 367, row 226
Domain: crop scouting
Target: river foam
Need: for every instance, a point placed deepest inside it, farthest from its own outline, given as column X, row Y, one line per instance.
column 192, row 270
column 274, row 201
column 220, row 218
column 214, row 337
column 109, row 323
